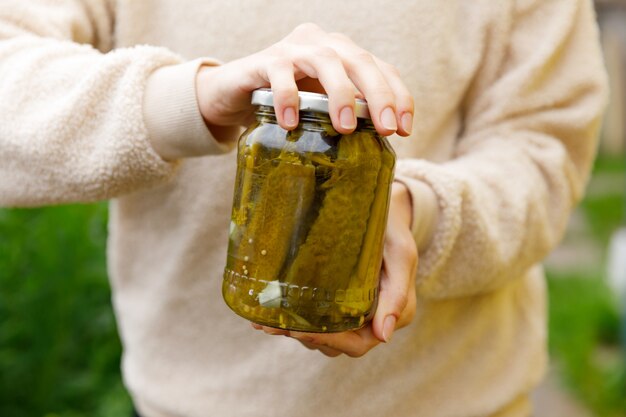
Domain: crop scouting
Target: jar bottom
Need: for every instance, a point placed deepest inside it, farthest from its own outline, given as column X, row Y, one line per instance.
column 290, row 307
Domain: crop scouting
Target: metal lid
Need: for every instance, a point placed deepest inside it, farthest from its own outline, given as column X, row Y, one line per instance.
column 308, row 101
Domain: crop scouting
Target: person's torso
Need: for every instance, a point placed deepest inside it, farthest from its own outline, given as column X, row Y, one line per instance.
column 186, row 353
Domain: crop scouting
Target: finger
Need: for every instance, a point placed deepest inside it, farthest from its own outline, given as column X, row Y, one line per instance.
column 280, row 74
column 323, row 349
column 368, row 78
column 399, row 262
column 323, row 63
column 274, row 332
column 404, row 101
column 361, row 60
column 330, row 352
column 353, row 343
column 313, row 85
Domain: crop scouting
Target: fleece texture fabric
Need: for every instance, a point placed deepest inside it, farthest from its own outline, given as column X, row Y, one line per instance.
column 97, row 101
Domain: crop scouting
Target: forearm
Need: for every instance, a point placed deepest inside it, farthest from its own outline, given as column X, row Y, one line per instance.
column 523, row 159
column 71, row 122
column 78, row 124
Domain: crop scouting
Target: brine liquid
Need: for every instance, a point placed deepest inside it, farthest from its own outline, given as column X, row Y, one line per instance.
column 307, row 230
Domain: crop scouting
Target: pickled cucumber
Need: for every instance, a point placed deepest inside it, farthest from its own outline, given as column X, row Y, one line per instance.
column 307, row 225
column 283, row 199
column 332, row 246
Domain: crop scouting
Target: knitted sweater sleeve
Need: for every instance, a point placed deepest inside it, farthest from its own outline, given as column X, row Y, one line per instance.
column 531, row 119
column 72, row 112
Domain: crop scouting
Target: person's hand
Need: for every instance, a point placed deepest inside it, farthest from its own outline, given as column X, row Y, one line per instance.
column 307, row 56
column 396, row 304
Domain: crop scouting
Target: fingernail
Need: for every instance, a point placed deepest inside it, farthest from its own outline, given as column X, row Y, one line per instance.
column 346, row 118
column 389, row 325
column 407, row 122
column 289, row 116
column 388, row 119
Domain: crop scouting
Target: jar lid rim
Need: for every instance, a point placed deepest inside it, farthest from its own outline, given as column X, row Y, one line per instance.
column 308, row 102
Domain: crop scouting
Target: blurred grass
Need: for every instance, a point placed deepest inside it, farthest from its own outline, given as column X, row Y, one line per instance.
column 605, row 209
column 59, row 350
column 584, row 342
column 60, row 353
column 584, row 319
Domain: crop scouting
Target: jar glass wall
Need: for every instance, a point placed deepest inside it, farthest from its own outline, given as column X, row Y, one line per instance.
column 308, row 223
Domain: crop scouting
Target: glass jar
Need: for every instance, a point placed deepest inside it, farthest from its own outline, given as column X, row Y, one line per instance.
column 308, row 220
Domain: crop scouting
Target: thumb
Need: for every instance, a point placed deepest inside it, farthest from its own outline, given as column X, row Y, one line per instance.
column 396, row 303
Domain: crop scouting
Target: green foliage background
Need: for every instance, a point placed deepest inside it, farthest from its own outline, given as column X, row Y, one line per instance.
column 59, row 350
column 587, row 330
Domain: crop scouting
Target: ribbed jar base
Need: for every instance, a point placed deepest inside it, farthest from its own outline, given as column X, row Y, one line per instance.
column 306, row 309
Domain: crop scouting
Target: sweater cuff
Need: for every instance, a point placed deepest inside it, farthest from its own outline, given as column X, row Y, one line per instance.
column 425, row 210
column 170, row 108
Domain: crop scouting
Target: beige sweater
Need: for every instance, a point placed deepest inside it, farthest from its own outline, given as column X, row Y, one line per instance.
column 508, row 99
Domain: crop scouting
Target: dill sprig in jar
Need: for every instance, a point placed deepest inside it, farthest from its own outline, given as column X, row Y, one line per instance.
column 308, row 219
